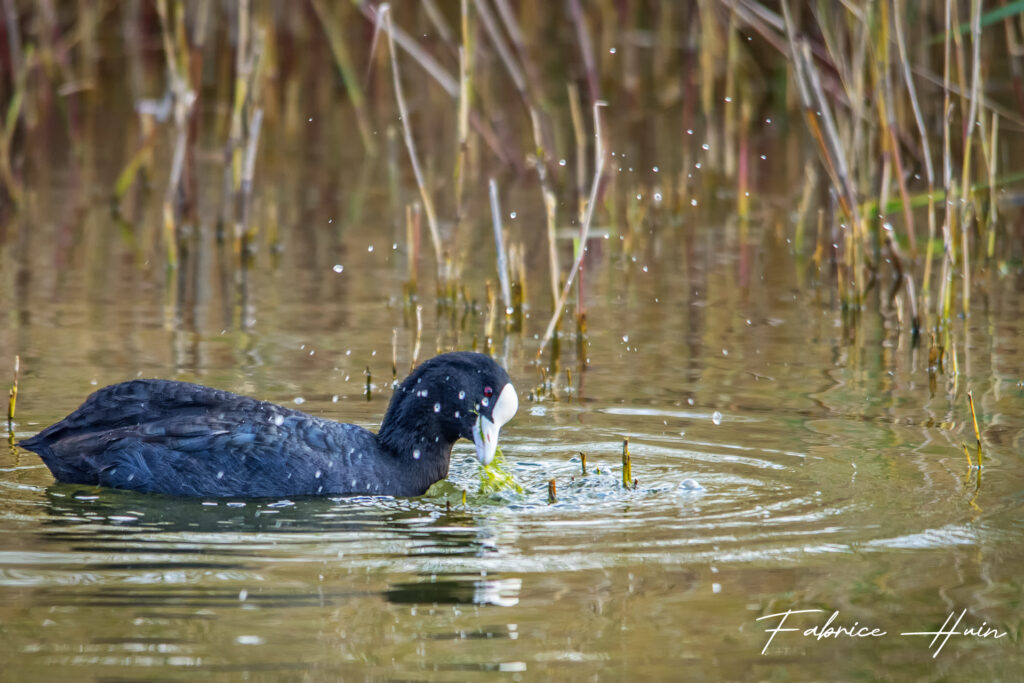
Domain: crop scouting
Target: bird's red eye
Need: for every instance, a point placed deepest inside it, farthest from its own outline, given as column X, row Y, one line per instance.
column 488, row 392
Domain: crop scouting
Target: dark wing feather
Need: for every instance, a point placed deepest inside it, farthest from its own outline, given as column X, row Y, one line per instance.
column 185, row 439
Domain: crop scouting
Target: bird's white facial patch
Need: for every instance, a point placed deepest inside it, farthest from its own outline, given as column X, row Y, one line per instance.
column 485, row 431
column 506, row 406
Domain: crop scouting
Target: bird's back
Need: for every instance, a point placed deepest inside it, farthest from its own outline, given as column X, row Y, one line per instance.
column 187, row 439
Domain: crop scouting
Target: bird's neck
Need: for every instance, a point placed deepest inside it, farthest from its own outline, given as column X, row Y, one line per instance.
column 418, row 448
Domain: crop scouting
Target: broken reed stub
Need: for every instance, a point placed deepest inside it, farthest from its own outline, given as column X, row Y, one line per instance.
column 627, row 465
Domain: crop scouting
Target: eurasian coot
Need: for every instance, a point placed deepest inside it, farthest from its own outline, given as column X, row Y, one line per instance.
column 182, row 439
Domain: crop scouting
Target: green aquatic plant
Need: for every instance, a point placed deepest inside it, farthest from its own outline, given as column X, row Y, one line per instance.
column 494, row 477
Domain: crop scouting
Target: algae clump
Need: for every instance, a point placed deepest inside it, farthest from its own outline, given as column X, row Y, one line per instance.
column 494, row 477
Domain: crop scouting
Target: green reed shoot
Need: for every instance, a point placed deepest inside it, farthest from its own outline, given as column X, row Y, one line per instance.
column 627, row 464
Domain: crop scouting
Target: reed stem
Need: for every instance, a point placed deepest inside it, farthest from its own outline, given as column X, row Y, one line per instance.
column 410, row 145
column 499, row 244
column 584, row 228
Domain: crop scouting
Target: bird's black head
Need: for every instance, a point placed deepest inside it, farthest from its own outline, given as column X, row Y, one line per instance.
column 452, row 396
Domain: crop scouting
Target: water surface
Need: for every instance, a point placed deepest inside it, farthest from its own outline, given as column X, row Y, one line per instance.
column 829, row 461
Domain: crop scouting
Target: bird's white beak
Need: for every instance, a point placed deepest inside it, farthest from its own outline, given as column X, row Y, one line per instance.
column 485, row 431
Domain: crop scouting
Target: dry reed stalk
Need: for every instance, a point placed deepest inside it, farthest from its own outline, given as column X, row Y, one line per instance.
column 584, row 229
column 248, row 171
column 343, row 62
column 943, row 301
column 15, row 113
column 926, row 151
column 417, row 338
column 444, row 79
column 887, row 112
column 182, row 99
column 550, row 203
column 576, row 113
column 440, row 24
column 466, row 52
column 707, row 57
column 969, row 125
column 499, row 245
column 504, row 54
column 993, row 200
column 729, row 145
column 492, row 315
column 233, row 148
column 428, row 202
column 816, row 107
column 586, row 49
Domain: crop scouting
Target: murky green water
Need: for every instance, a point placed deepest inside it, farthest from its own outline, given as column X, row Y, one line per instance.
column 832, row 479
column 830, row 463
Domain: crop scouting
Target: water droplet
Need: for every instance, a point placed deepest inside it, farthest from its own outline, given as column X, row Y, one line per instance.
column 693, row 202
column 462, row 395
column 764, row 157
column 298, row 400
column 611, row 50
column 657, row 196
column 457, row 415
column 220, row 475
column 689, row 131
column 655, row 169
column 243, row 594
column 416, row 454
column 625, row 337
column 705, row 147
column 513, row 215
column 728, row 99
column 561, row 162
column 437, row 407
column 338, row 268
column 689, row 401
column 485, row 402
column 716, row 417
column 370, row 249
column 639, row 196
column 316, row 475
